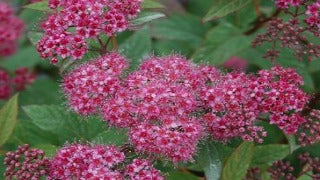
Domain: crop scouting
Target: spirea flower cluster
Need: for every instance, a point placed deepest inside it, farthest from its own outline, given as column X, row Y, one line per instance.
column 22, row 78
column 78, row 161
column 169, row 104
column 88, row 86
column 26, row 163
column 86, row 162
column 74, row 22
column 291, row 34
column 11, row 28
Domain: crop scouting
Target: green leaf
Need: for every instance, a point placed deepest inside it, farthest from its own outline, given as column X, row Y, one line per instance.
column 187, row 28
column 67, row 125
column 181, row 176
column 34, row 37
column 151, row 4
column 305, row 177
column 292, row 143
column 25, row 57
column 267, row 154
column 225, row 7
column 237, row 164
column 39, row 6
column 2, row 168
column 145, row 17
column 8, row 119
column 50, row 150
column 137, row 47
column 209, row 159
column 27, row 132
column 221, row 42
column 112, row 136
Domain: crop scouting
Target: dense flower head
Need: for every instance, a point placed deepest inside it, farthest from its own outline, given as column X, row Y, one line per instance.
column 5, row 91
column 84, row 162
column 282, row 97
column 157, row 101
column 90, row 84
column 141, row 169
column 309, row 131
column 73, row 22
column 177, row 69
column 176, row 142
column 26, row 163
column 21, row 79
column 11, row 28
column 233, row 109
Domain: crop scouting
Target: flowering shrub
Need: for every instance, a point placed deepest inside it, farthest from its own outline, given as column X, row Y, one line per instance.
column 11, row 28
column 126, row 99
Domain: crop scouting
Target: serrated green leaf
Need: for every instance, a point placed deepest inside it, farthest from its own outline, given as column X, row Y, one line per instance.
column 28, row 133
column 151, row 4
column 112, row 136
column 225, row 7
column 210, row 160
column 145, row 17
column 8, row 119
column 140, row 41
column 221, row 42
column 39, row 6
column 238, row 162
column 67, row 125
column 267, row 154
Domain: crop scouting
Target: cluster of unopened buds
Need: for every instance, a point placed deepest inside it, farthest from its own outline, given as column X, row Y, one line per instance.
column 11, row 28
column 68, row 29
column 8, row 85
column 78, row 161
column 292, row 34
column 284, row 169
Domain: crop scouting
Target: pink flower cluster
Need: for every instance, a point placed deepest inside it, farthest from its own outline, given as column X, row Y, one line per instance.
column 156, row 104
column 312, row 9
column 234, row 108
column 89, row 85
column 312, row 12
column 310, row 130
column 23, row 77
column 67, row 30
column 96, row 162
column 282, row 97
column 11, row 28
column 26, row 163
column 168, row 104
column 141, row 169
column 284, row 4
column 86, row 162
